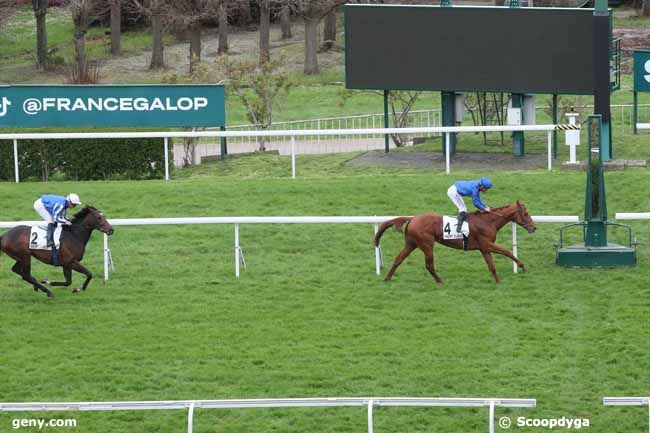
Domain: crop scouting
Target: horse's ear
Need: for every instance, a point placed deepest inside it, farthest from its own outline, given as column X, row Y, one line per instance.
column 518, row 203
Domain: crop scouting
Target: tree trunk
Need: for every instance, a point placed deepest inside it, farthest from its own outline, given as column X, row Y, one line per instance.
column 311, row 46
column 223, row 29
column 40, row 11
column 265, row 31
column 245, row 12
column 645, row 9
column 195, row 47
column 116, row 26
column 157, row 54
column 80, row 51
column 329, row 31
column 285, row 20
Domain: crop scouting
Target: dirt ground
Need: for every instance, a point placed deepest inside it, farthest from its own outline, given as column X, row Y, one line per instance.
column 436, row 161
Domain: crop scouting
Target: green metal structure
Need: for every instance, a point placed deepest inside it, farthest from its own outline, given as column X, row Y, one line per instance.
column 596, row 250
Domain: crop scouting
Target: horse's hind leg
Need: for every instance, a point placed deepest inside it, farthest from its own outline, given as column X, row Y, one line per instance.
column 26, row 273
column 67, row 274
column 408, row 248
column 428, row 261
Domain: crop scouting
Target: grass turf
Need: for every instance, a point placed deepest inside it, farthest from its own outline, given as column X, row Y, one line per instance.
column 309, row 317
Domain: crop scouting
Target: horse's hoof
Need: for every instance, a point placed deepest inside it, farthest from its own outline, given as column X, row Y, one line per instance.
column 35, row 289
column 439, row 281
column 524, row 270
column 46, row 282
column 50, row 295
column 77, row 290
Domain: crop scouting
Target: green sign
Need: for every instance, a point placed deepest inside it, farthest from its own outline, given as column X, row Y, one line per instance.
column 110, row 106
column 642, row 71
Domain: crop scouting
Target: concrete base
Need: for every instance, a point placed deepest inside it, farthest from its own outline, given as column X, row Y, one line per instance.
column 581, row 256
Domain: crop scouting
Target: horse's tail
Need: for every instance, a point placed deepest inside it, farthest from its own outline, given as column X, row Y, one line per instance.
column 398, row 223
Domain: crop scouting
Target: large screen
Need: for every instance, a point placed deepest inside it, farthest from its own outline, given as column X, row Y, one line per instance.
column 519, row 50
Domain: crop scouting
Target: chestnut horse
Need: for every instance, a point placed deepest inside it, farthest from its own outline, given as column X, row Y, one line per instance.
column 15, row 243
column 422, row 231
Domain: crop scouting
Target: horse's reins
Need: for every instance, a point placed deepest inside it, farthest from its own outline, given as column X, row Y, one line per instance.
column 525, row 224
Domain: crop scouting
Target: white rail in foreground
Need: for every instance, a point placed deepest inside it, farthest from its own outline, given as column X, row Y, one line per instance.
column 633, row 216
column 191, row 405
column 237, row 221
column 166, row 135
column 629, row 401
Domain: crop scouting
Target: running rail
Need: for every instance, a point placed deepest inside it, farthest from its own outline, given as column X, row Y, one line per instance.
column 237, row 221
column 191, row 405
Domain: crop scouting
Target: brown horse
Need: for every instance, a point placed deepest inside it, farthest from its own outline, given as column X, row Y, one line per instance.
column 15, row 243
column 422, row 231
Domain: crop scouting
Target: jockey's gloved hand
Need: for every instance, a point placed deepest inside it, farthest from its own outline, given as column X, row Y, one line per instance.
column 68, row 223
column 487, row 209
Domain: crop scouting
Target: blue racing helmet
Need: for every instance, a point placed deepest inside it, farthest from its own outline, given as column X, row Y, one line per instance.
column 486, row 182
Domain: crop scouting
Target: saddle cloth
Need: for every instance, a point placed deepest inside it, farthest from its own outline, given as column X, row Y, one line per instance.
column 449, row 228
column 38, row 238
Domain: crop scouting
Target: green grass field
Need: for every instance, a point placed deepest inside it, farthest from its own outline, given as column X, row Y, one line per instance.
column 309, row 318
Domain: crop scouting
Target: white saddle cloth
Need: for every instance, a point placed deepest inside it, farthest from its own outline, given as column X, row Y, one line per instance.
column 449, row 228
column 38, row 238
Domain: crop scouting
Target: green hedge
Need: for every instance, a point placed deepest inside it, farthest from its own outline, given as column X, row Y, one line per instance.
column 89, row 159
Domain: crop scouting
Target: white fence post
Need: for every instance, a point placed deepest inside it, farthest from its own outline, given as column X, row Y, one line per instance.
column 377, row 253
column 190, row 418
column 16, row 160
column 166, row 158
column 293, row 157
column 447, row 156
column 105, row 257
column 491, row 427
column 550, row 150
column 371, row 426
column 514, row 246
column 237, row 250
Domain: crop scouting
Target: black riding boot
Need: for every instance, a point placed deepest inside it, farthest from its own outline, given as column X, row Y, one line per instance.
column 50, row 234
column 462, row 216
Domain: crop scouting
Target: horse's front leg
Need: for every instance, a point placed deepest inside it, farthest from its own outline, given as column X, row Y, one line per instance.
column 67, row 274
column 76, row 266
column 487, row 256
column 500, row 250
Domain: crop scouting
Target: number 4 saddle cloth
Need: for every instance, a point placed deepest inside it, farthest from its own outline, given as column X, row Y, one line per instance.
column 449, row 228
column 38, row 238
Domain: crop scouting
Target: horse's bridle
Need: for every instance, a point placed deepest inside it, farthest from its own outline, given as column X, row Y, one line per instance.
column 519, row 212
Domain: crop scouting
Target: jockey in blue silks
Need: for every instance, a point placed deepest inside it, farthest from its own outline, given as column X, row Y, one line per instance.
column 468, row 188
column 52, row 209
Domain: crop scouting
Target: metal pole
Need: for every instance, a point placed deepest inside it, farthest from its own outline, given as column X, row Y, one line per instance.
column 555, row 123
column 370, row 423
column 386, row 145
column 190, row 418
column 377, row 254
column 447, row 152
column 16, row 160
column 635, row 113
column 514, row 245
column 550, row 150
column 166, row 158
column 105, row 257
column 293, row 157
column 237, row 250
column 491, row 416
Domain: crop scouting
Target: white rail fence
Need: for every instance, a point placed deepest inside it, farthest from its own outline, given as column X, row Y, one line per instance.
column 190, row 405
column 633, row 216
column 629, row 401
column 166, row 135
column 237, row 221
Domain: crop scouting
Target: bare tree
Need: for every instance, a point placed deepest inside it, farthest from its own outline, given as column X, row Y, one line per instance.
column 157, row 11
column 83, row 13
column 285, row 19
column 265, row 31
column 329, row 31
column 645, row 8
column 222, row 17
column 40, row 11
column 312, row 12
column 116, row 26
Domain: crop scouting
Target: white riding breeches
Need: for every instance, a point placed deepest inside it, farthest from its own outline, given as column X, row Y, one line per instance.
column 456, row 199
column 40, row 209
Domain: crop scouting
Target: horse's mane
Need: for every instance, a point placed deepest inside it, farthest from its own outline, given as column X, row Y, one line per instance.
column 79, row 216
